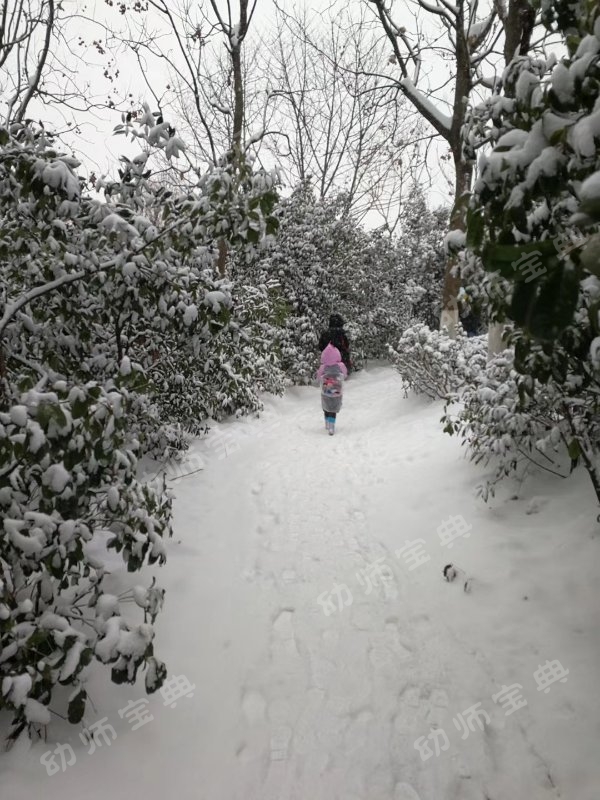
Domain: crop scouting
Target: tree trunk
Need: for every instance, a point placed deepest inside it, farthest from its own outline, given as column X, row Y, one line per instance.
column 238, row 108
column 449, row 315
column 236, row 36
column 495, row 343
column 222, row 257
column 519, row 23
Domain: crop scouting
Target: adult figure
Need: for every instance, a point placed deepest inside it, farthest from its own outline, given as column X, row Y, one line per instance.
column 336, row 335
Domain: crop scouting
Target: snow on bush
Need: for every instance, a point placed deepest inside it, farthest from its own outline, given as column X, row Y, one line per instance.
column 515, row 423
column 433, row 364
column 68, row 477
column 323, row 262
column 533, row 221
column 118, row 339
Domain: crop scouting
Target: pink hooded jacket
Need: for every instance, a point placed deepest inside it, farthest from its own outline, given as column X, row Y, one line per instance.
column 331, row 357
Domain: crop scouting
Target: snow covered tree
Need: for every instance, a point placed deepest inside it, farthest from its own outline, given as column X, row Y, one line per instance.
column 323, row 262
column 537, row 185
column 101, row 310
column 467, row 36
column 420, row 243
column 536, row 194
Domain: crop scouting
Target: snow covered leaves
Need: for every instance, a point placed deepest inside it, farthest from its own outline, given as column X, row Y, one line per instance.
column 540, row 183
column 433, row 364
column 532, row 226
column 68, row 485
column 545, row 286
column 116, row 340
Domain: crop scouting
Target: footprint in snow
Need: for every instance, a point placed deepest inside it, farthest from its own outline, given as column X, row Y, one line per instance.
column 289, row 576
column 404, row 791
column 407, row 712
column 536, row 504
column 284, row 636
column 282, row 623
column 253, row 706
column 438, row 708
column 357, row 734
column 387, row 649
column 280, row 743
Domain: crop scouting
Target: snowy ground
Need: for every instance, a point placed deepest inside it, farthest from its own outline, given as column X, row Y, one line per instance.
column 298, row 698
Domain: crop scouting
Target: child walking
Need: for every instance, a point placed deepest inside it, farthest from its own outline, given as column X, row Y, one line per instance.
column 331, row 373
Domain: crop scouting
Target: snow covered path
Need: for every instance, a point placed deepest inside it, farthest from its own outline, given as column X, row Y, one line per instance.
column 297, row 698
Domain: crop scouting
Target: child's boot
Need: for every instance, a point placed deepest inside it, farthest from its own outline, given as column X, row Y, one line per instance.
column 331, row 426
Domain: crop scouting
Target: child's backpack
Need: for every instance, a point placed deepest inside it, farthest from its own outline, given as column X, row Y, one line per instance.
column 331, row 386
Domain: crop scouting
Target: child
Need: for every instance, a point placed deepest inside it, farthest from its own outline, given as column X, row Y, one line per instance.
column 331, row 374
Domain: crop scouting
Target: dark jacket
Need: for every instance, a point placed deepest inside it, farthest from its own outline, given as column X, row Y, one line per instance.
column 336, row 335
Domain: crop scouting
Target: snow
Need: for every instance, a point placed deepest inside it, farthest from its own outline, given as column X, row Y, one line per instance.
column 58, row 175
column 513, row 138
column 287, row 701
column 16, row 687
column 442, row 121
column 107, row 606
column 478, row 28
column 595, row 352
column 56, row 477
column 190, row 314
column 562, row 84
column 19, row 416
column 582, row 136
column 72, row 660
column 589, row 45
column 589, row 191
column 115, row 223
column 112, row 498
column 125, row 366
column 215, row 300
column 526, row 83
column 518, row 157
column 454, row 240
column 36, row 712
column 28, row 545
column 546, row 164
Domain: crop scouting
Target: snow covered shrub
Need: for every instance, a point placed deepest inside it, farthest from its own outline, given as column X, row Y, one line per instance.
column 514, row 423
column 534, row 209
column 102, row 314
column 243, row 361
column 433, row 364
column 500, row 423
column 323, row 262
column 534, row 214
column 68, row 483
